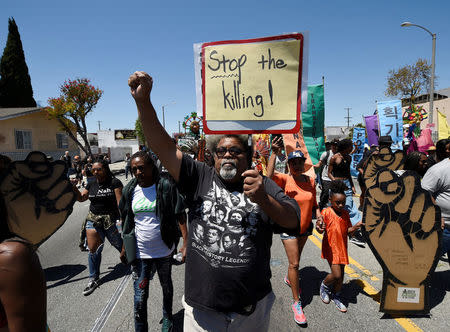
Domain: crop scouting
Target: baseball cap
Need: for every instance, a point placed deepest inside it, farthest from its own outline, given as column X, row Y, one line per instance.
column 296, row 154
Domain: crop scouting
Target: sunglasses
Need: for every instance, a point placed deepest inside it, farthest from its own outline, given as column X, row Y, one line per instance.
column 233, row 151
column 136, row 168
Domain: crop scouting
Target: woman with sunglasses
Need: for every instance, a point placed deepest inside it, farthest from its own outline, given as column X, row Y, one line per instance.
column 104, row 193
column 303, row 189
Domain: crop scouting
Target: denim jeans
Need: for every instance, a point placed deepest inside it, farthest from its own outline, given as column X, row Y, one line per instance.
column 95, row 259
column 145, row 269
column 355, row 216
column 128, row 170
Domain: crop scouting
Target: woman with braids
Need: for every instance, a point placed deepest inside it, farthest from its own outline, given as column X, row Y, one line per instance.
column 303, row 189
column 153, row 215
column 23, row 297
column 104, row 193
column 336, row 224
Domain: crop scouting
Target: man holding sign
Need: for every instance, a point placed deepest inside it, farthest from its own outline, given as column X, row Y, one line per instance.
column 224, row 290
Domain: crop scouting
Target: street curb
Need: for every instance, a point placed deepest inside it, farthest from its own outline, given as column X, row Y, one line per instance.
column 117, row 171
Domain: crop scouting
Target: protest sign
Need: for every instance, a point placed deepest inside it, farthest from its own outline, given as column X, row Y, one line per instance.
column 359, row 137
column 443, row 129
column 38, row 197
column 372, row 129
column 294, row 142
column 252, row 86
column 313, row 121
column 402, row 227
column 390, row 119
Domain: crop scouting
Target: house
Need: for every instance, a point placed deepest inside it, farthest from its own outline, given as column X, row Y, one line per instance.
column 23, row 130
column 337, row 132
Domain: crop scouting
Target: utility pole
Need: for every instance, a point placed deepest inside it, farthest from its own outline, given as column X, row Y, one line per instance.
column 348, row 117
column 99, row 124
column 179, row 126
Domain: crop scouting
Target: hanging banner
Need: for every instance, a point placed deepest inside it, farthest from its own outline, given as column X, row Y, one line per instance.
column 390, row 119
column 372, row 129
column 443, row 129
column 313, row 121
column 294, row 142
column 253, row 85
column 359, row 137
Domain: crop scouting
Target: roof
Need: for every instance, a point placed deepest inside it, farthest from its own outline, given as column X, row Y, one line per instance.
column 9, row 113
column 445, row 92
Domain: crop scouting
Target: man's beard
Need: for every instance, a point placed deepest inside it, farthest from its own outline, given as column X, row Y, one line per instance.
column 228, row 172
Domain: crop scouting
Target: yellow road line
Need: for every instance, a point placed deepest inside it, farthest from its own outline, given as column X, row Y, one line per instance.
column 406, row 323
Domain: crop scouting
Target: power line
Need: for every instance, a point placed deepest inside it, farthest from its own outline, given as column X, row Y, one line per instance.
column 348, row 117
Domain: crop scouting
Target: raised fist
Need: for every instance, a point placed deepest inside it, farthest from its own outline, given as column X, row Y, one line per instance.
column 38, row 197
column 385, row 158
column 141, row 85
column 402, row 227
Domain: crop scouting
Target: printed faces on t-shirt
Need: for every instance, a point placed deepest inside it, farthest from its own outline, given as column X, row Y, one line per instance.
column 224, row 228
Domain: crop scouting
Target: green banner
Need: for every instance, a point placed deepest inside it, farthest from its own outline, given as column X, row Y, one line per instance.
column 313, row 121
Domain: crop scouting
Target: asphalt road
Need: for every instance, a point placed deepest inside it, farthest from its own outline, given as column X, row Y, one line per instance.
column 110, row 307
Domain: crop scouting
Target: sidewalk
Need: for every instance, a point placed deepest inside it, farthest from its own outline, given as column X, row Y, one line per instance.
column 117, row 167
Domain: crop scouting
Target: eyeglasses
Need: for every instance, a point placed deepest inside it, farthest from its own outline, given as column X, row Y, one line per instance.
column 233, row 151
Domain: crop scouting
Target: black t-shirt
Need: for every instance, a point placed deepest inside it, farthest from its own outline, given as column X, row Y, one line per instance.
column 88, row 170
column 227, row 265
column 102, row 196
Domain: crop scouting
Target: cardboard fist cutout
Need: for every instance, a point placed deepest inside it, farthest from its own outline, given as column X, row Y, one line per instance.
column 38, row 197
column 402, row 227
column 385, row 158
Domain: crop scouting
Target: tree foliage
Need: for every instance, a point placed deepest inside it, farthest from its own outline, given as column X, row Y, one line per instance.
column 358, row 125
column 409, row 81
column 77, row 99
column 139, row 131
column 15, row 82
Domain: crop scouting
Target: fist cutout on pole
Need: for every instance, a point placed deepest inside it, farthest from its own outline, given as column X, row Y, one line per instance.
column 402, row 227
column 38, row 197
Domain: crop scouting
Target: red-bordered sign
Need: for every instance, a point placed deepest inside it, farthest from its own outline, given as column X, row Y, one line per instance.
column 257, row 126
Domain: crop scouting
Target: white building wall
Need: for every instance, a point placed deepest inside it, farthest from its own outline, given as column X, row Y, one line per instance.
column 118, row 148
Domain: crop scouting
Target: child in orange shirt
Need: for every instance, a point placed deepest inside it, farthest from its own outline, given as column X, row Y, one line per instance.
column 336, row 224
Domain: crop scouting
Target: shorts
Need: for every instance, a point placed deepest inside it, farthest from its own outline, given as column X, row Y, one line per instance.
column 286, row 236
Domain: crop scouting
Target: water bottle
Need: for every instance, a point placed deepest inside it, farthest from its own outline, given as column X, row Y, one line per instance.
column 119, row 226
column 178, row 257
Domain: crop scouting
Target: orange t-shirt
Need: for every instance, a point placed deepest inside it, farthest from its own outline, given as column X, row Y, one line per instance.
column 334, row 242
column 303, row 192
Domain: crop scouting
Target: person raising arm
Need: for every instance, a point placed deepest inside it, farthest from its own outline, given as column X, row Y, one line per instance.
column 234, row 212
column 141, row 85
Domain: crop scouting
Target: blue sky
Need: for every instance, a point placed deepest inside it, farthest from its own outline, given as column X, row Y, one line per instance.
column 353, row 44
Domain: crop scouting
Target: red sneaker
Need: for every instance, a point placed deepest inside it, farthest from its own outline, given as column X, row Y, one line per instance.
column 299, row 316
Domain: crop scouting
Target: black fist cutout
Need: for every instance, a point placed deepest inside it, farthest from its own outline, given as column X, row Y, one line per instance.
column 38, row 197
column 402, row 227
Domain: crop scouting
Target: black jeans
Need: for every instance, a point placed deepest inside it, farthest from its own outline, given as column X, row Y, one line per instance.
column 145, row 269
column 324, row 194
